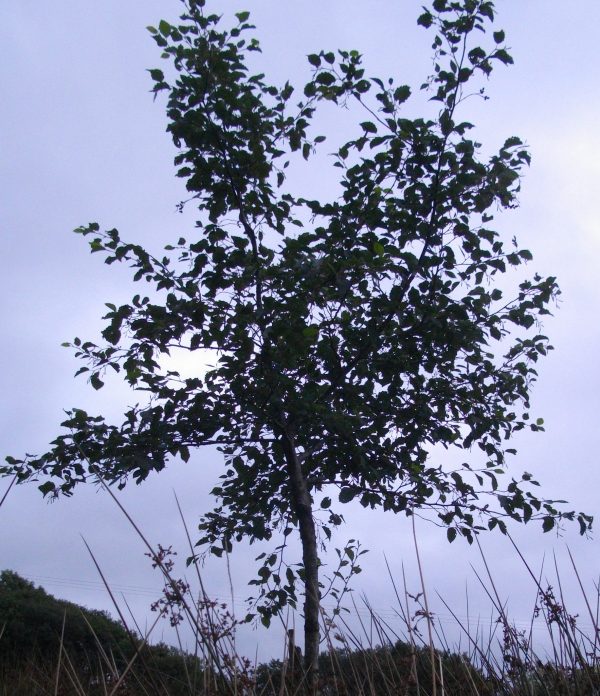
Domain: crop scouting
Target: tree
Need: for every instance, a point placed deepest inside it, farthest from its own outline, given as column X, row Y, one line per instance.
column 388, row 669
column 33, row 624
column 353, row 337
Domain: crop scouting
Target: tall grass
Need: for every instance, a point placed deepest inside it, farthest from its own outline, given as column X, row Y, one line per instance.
column 363, row 652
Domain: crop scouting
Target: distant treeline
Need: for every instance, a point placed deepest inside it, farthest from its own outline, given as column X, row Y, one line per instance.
column 93, row 649
column 41, row 635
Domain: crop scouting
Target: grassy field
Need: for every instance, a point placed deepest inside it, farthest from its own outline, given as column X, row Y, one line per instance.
column 52, row 647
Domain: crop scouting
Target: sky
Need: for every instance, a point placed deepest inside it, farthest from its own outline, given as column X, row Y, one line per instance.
column 82, row 140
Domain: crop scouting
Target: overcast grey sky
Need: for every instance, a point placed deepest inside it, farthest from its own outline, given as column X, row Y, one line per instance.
column 81, row 140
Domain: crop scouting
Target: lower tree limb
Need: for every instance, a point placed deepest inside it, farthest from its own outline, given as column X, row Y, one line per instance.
column 302, row 507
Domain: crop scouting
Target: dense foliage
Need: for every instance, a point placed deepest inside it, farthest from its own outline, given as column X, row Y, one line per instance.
column 397, row 668
column 33, row 622
column 38, row 631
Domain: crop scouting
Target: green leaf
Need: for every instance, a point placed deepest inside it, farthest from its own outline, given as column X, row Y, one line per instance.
column 451, row 534
column 425, row 20
column 584, row 523
column 446, row 123
column 164, row 28
column 95, row 381
column 495, row 333
column 314, row 59
column 347, row 494
column 325, row 503
column 368, row 127
column 325, row 78
column 401, row 94
column 242, row 16
column 504, row 56
column 487, row 10
column 498, row 36
column 47, row 487
column 310, row 90
column 310, row 332
column 548, row 523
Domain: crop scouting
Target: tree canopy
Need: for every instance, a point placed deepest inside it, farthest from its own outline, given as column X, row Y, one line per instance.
column 354, row 337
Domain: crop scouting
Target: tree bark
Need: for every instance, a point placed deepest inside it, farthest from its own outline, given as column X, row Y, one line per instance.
column 302, row 507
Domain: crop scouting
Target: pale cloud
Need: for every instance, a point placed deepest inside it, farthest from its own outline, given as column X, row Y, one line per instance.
column 569, row 154
column 189, row 364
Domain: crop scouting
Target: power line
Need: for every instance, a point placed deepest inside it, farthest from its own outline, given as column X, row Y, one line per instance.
column 388, row 614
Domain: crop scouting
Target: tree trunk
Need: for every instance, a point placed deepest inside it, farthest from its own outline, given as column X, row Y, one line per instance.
column 302, row 507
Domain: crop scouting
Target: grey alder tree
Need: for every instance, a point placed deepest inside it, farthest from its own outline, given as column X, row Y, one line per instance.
column 354, row 336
